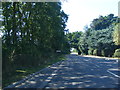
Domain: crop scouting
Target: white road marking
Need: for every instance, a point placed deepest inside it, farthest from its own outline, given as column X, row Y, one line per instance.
column 113, row 74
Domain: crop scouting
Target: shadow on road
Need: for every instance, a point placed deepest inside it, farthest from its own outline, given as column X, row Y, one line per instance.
column 75, row 72
column 84, row 72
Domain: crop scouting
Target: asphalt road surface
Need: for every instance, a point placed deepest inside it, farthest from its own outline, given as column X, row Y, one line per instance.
column 75, row 72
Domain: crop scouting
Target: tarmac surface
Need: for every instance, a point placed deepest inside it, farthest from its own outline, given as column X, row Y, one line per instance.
column 75, row 72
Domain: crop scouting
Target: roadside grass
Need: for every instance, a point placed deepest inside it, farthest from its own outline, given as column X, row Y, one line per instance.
column 21, row 73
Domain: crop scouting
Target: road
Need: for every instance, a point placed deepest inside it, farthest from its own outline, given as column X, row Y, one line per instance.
column 75, row 72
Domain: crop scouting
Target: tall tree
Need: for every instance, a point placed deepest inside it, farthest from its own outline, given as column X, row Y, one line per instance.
column 32, row 31
column 116, row 34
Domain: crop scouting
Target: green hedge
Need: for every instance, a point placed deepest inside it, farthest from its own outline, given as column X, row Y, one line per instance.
column 103, row 53
column 90, row 51
column 117, row 53
column 95, row 52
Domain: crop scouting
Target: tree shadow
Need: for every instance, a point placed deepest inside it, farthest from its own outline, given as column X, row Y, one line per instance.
column 75, row 72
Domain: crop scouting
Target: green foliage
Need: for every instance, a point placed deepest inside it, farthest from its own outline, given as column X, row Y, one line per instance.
column 74, row 50
column 98, row 38
column 116, row 34
column 117, row 53
column 73, row 39
column 95, row 52
column 32, row 33
column 22, row 72
column 103, row 22
column 101, row 39
column 103, row 53
column 90, row 51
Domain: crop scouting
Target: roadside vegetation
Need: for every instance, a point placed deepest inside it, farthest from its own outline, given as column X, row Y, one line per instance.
column 23, row 72
column 32, row 35
column 101, row 38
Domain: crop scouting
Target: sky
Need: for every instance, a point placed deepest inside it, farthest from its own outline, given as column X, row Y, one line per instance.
column 82, row 12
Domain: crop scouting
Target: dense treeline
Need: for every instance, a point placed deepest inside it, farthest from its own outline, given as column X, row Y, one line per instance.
column 101, row 38
column 32, row 32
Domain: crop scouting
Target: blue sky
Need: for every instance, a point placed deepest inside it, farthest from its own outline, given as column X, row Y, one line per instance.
column 82, row 12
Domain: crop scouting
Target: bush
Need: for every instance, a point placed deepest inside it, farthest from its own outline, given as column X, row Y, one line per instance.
column 95, row 52
column 90, row 52
column 103, row 53
column 117, row 53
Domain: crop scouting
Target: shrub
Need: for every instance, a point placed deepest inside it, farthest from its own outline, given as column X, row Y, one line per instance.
column 117, row 53
column 90, row 51
column 103, row 53
column 95, row 52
